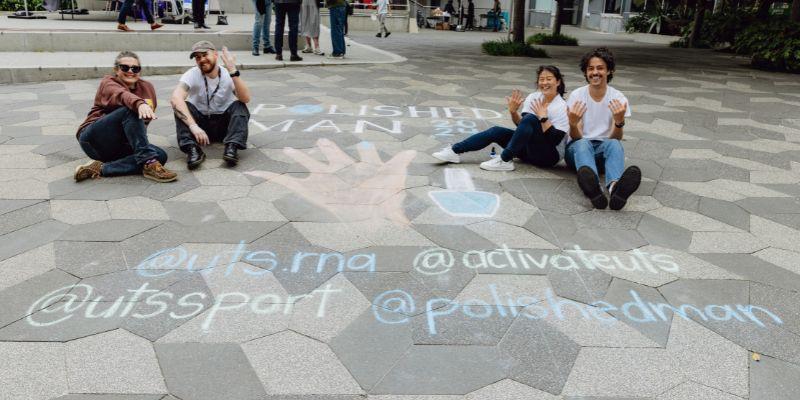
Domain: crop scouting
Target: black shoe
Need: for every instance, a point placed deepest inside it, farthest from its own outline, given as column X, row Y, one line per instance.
column 229, row 155
column 378, row 34
column 387, row 35
column 269, row 50
column 255, row 52
column 589, row 184
column 194, row 157
column 295, row 57
column 204, row 26
column 279, row 57
column 625, row 186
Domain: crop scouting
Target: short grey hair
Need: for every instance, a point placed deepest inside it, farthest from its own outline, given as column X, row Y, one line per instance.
column 124, row 54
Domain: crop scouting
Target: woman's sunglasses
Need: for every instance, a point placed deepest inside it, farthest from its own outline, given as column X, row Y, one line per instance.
column 125, row 68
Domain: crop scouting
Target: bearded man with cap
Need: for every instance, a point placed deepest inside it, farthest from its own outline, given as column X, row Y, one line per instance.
column 210, row 105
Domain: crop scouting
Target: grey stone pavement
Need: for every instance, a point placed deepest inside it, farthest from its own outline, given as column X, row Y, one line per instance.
column 340, row 261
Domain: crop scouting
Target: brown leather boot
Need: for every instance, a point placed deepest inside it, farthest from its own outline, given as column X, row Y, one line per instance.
column 90, row 170
column 158, row 173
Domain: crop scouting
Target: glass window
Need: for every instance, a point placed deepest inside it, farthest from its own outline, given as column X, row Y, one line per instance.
column 613, row 7
column 543, row 5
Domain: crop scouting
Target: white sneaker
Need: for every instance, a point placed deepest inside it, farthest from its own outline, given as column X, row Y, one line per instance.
column 497, row 164
column 447, row 155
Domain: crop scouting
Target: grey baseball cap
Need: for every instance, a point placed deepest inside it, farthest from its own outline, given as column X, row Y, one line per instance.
column 202, row 46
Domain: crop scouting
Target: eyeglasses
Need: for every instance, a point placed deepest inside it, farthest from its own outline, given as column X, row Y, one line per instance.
column 125, row 68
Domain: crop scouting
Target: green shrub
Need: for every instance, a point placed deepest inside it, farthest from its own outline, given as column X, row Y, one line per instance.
column 661, row 20
column 721, row 28
column 773, row 45
column 17, row 5
column 552, row 40
column 505, row 47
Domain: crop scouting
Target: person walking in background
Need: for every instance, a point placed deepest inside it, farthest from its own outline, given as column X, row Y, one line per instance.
column 287, row 9
column 262, row 22
column 349, row 7
column 199, row 14
column 383, row 11
column 450, row 9
column 309, row 26
column 470, row 15
column 496, row 10
column 126, row 8
column 338, row 14
column 114, row 134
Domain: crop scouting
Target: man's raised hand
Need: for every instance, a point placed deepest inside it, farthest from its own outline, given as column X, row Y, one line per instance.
column 228, row 59
column 576, row 112
column 618, row 108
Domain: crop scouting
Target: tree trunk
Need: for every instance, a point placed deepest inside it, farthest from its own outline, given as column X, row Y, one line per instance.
column 519, row 21
column 557, row 21
column 697, row 27
column 763, row 9
column 796, row 11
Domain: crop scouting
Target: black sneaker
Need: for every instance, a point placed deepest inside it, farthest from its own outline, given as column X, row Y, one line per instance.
column 269, row 50
column 625, row 186
column 378, row 34
column 387, row 34
column 295, row 57
column 255, row 51
column 590, row 185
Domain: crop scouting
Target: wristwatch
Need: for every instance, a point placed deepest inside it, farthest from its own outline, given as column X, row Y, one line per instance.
column 543, row 120
column 235, row 74
column 619, row 125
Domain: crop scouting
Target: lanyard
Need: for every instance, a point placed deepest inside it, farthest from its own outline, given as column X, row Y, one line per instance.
column 208, row 98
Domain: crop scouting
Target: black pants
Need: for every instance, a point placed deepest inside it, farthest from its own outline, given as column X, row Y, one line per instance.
column 126, row 8
column 282, row 10
column 228, row 127
column 199, row 11
column 119, row 140
column 527, row 142
column 470, row 21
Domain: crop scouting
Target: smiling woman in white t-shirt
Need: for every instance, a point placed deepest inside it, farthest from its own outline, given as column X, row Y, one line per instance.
column 541, row 128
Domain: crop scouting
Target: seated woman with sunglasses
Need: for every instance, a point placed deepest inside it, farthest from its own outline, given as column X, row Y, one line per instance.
column 541, row 128
column 114, row 134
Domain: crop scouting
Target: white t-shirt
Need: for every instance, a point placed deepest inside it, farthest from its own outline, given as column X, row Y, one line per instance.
column 222, row 98
column 598, row 121
column 383, row 6
column 556, row 115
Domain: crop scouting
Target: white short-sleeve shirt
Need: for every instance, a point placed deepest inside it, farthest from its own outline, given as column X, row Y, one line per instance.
column 556, row 115
column 598, row 121
column 214, row 100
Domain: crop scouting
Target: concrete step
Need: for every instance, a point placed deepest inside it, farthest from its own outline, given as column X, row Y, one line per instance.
column 20, row 67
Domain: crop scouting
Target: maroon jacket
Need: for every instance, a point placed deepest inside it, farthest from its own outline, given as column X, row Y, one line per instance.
column 113, row 94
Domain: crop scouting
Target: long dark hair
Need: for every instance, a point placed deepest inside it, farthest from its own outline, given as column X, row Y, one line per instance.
column 602, row 53
column 557, row 73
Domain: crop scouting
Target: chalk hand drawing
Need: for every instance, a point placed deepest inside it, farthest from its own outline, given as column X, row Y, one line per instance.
column 352, row 190
column 461, row 199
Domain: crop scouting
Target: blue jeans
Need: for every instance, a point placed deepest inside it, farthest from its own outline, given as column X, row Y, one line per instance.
column 527, row 142
column 282, row 10
column 608, row 154
column 126, row 8
column 338, row 15
column 261, row 24
column 119, row 140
